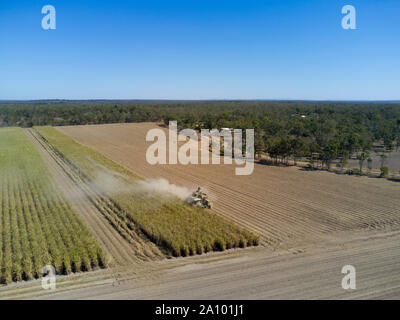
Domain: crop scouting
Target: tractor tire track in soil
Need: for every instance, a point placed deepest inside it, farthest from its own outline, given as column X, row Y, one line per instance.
column 259, row 274
column 95, row 209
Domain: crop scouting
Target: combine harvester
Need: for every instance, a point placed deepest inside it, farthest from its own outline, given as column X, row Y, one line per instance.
column 200, row 199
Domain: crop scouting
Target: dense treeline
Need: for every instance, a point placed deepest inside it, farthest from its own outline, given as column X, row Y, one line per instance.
column 322, row 132
column 284, row 129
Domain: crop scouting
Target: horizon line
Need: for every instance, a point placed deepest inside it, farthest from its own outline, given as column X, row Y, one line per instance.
column 203, row 100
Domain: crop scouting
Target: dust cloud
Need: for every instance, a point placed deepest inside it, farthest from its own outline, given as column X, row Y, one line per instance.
column 163, row 186
column 113, row 183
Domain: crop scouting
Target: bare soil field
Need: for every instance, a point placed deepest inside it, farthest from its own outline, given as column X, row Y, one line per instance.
column 256, row 273
column 286, row 206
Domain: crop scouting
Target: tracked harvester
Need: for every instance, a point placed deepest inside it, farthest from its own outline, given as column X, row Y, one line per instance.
column 200, row 199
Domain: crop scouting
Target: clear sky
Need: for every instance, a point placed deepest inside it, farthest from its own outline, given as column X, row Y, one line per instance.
column 200, row 49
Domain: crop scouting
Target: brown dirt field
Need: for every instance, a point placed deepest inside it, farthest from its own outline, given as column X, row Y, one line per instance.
column 286, row 206
column 259, row 274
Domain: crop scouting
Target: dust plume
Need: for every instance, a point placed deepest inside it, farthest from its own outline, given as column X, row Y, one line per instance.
column 113, row 183
column 163, row 186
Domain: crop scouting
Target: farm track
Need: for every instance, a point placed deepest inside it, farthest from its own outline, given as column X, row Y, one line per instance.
column 97, row 210
column 286, row 206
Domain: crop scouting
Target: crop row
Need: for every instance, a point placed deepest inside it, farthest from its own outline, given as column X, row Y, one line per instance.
column 37, row 226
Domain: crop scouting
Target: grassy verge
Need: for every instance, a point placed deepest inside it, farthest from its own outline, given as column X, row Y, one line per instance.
column 173, row 225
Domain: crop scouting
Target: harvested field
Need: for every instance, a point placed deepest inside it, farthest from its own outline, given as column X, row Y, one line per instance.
column 177, row 228
column 314, row 273
column 37, row 226
column 284, row 205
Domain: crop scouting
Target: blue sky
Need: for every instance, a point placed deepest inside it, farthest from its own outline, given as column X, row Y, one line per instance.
column 219, row 49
